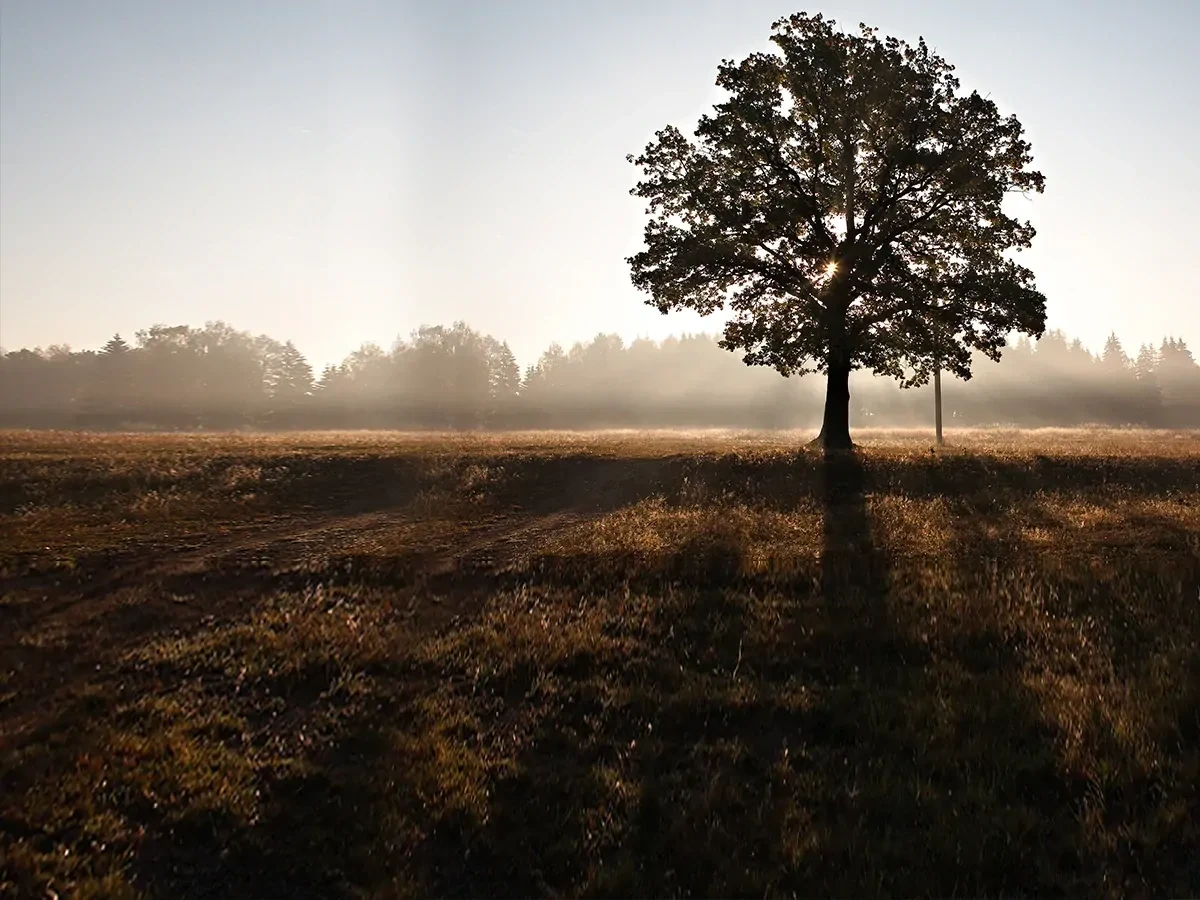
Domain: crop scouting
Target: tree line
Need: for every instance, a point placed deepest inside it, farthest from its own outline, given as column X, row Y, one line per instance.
column 454, row 377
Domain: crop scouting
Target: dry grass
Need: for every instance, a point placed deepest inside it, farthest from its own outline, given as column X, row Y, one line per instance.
column 599, row 664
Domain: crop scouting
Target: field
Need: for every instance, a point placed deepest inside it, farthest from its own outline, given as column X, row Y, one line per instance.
column 349, row 664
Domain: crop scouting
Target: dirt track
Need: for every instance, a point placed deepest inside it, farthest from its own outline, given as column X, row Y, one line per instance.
column 132, row 601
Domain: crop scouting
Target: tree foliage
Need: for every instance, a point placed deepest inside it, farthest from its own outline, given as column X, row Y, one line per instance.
column 845, row 203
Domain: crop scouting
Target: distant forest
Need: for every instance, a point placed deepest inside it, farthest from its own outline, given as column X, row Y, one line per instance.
column 217, row 377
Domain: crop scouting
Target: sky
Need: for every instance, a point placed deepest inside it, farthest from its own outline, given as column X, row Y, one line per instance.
column 343, row 171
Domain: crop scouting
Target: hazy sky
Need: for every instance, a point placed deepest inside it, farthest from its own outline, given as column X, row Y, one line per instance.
column 339, row 172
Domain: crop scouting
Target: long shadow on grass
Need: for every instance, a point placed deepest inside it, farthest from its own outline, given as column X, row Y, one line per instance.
column 1112, row 815
column 850, row 747
column 855, row 725
column 899, row 780
column 390, row 798
column 741, row 733
column 749, row 734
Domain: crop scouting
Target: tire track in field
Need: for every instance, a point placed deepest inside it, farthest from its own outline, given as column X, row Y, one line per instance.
column 614, row 485
column 49, row 661
column 60, row 673
column 504, row 542
column 80, row 608
column 331, row 530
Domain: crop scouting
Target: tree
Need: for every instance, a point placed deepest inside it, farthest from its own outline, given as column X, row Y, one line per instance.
column 1121, row 396
column 1179, row 379
column 170, row 376
column 845, row 202
column 115, row 388
column 291, row 380
column 231, row 373
column 449, row 374
column 1146, row 363
column 116, row 346
column 1173, row 355
column 547, row 373
column 504, row 375
column 1149, row 394
column 331, row 378
column 1114, row 354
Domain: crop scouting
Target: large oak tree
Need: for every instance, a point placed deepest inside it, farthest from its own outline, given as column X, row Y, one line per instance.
column 845, row 203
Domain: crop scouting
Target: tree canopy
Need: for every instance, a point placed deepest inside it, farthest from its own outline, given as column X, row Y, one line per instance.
column 845, row 203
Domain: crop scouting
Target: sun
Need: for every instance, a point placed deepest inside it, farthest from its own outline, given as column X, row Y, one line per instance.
column 831, row 269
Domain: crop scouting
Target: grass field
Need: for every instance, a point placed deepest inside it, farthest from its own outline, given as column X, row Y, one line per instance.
column 350, row 664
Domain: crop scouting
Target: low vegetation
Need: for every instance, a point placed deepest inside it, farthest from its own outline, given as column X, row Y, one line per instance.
column 339, row 665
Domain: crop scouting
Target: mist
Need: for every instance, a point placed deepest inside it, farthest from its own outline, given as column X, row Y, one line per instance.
column 455, row 377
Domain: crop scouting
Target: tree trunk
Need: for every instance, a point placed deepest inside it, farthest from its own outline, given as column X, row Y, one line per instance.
column 835, row 426
column 937, row 403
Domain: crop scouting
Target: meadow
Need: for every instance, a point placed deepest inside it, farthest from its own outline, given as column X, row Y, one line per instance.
column 599, row 664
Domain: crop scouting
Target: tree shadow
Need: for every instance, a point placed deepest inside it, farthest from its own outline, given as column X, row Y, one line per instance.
column 827, row 755
column 861, row 742
column 1107, row 805
column 859, row 724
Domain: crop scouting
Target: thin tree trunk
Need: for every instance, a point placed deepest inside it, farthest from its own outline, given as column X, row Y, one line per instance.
column 835, row 426
column 937, row 403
